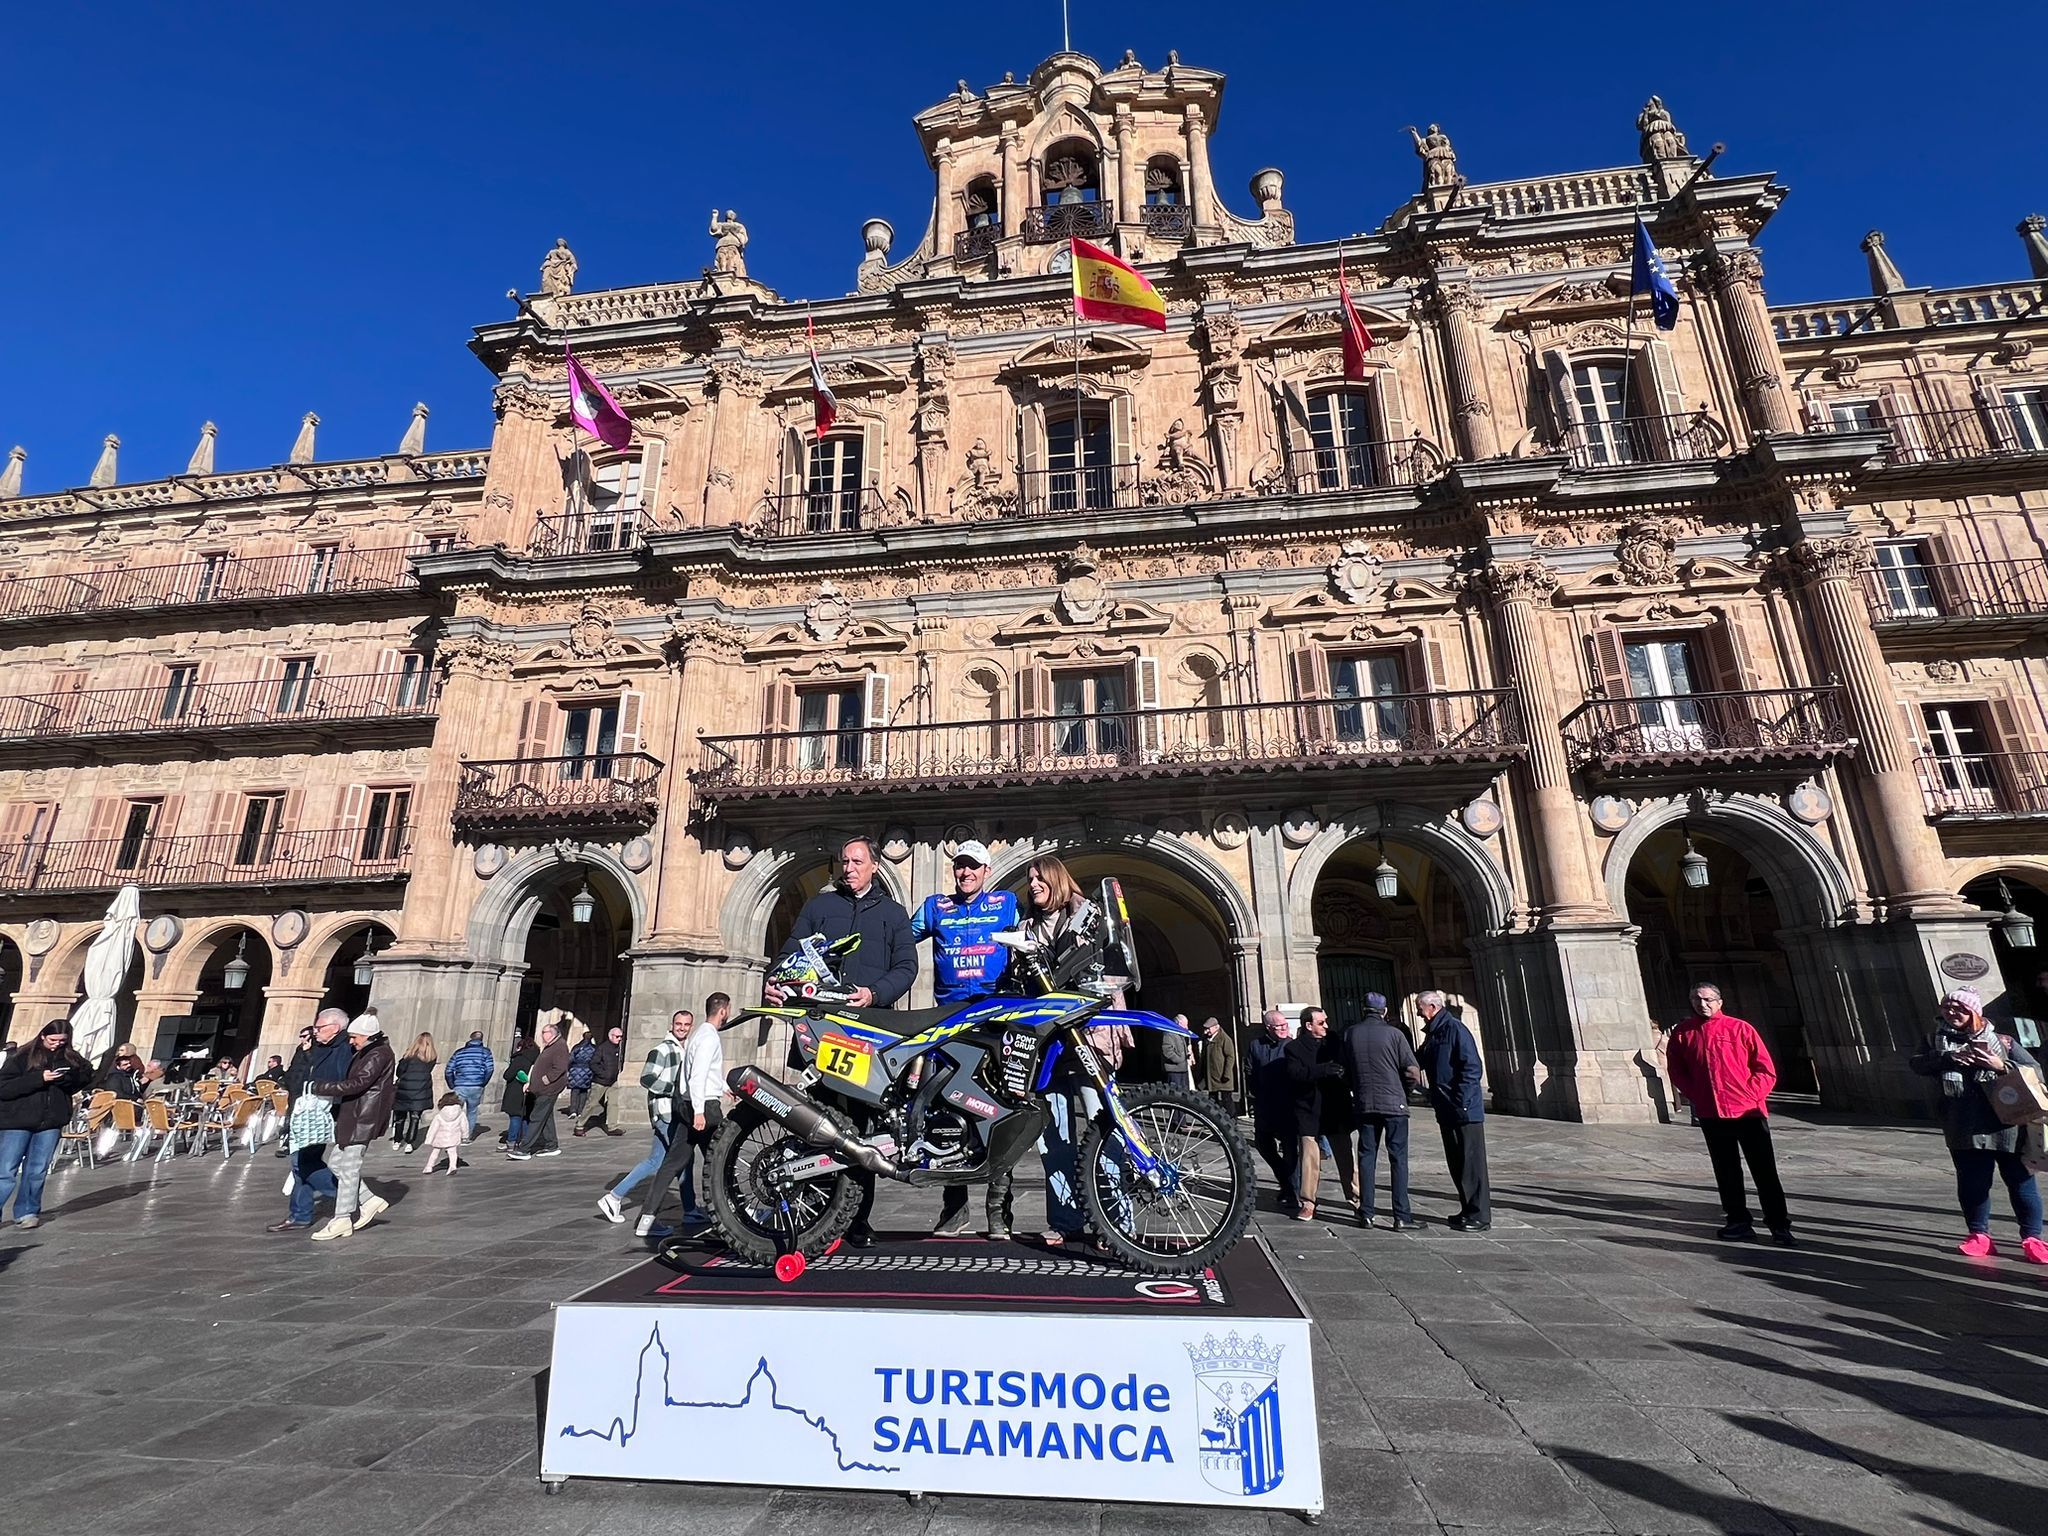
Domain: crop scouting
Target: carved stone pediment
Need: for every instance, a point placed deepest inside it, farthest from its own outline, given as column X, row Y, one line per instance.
column 1058, row 354
column 856, row 635
column 1577, row 298
column 849, row 377
column 591, row 638
column 1117, row 617
column 1313, row 329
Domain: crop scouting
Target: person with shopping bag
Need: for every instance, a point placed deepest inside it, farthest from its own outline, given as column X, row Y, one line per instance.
column 310, row 1126
column 1970, row 1058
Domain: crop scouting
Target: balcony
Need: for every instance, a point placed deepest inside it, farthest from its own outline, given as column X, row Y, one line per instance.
column 549, row 794
column 274, row 706
column 1941, row 598
column 1695, row 730
column 1631, row 440
column 1060, row 221
column 332, row 855
column 976, row 244
column 1364, row 466
column 1092, row 488
column 791, row 514
column 1985, row 786
column 590, row 531
column 1973, row 434
column 1168, row 221
column 206, row 583
column 1380, row 736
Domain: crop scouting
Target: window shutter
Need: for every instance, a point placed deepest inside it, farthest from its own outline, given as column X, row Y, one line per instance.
column 778, row 719
column 1032, row 456
column 1895, row 406
column 168, row 815
column 108, row 814
column 1123, row 443
column 1034, row 707
column 1145, row 689
column 1557, row 369
column 1396, row 427
column 2010, row 724
column 871, row 449
column 1727, row 655
column 2018, row 771
column 796, row 463
column 536, row 722
column 630, row 702
column 1658, row 385
column 289, row 813
column 1813, row 410
column 349, row 803
column 1290, row 410
column 1610, row 662
column 875, row 718
column 1311, row 683
column 14, row 822
column 384, row 690
column 650, row 474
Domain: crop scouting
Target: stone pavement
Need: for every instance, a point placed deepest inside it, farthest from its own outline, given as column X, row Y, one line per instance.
column 1597, row 1363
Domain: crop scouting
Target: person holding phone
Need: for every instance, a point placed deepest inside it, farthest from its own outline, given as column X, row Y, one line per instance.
column 1969, row 1056
column 37, row 1086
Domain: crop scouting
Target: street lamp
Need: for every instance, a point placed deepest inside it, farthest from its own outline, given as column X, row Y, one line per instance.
column 366, row 970
column 1386, row 880
column 583, row 905
column 2019, row 928
column 1692, row 868
column 235, row 974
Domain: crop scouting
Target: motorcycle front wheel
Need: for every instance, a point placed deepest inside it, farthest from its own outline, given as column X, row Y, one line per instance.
column 762, row 1216
column 1196, row 1207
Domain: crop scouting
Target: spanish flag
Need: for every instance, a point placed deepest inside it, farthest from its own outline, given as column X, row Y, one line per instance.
column 1108, row 289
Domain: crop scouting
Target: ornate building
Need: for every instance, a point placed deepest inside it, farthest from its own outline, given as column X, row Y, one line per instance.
column 1560, row 663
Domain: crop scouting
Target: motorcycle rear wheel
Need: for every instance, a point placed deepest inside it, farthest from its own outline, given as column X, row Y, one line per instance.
column 759, row 1222
column 1207, row 1202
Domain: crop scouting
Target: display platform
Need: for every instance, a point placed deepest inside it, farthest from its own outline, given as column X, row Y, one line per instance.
column 944, row 1365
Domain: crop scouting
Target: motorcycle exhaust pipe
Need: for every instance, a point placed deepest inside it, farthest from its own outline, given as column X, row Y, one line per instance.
column 806, row 1120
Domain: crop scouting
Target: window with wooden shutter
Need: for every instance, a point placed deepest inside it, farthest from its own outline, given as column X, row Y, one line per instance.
column 1145, row 694
column 1961, row 772
column 1371, row 713
column 2021, row 763
column 386, row 822
column 1034, row 711
column 138, row 831
column 829, row 728
column 1348, row 451
column 1311, row 684
column 875, row 721
column 778, row 723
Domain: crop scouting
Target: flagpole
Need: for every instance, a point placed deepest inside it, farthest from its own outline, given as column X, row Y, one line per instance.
column 1074, row 325
column 1066, row 33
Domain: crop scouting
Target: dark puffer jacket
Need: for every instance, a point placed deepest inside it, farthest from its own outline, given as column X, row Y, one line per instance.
column 415, row 1085
column 363, row 1099
column 27, row 1103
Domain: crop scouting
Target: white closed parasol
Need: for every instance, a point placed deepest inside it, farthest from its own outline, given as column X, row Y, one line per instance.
column 106, row 967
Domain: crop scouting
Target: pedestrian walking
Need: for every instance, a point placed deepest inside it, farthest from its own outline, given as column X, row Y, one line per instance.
column 605, row 1066
column 1968, row 1056
column 447, row 1132
column 659, row 1079
column 582, row 1063
column 700, row 1095
column 362, row 1112
column 415, row 1092
column 1450, row 1061
column 518, row 1067
column 1216, row 1064
column 309, row 1121
column 469, row 1073
column 1339, row 1115
column 1380, row 1067
column 1272, row 1095
column 1309, row 1072
column 37, row 1085
column 546, row 1081
column 1722, row 1068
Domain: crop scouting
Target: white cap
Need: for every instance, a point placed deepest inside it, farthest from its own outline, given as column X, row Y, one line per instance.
column 365, row 1024
column 973, row 852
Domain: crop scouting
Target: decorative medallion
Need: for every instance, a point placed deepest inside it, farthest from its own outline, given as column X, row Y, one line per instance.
column 1810, row 803
column 288, row 929
column 1482, row 818
column 637, row 854
column 826, row 614
column 489, row 859
column 1965, row 967
column 738, row 848
column 1230, row 830
column 1355, row 573
column 1646, row 554
column 590, row 637
column 1084, row 595
column 41, row 936
column 1298, row 826
column 1943, row 670
column 896, row 844
column 960, row 832
column 162, row 934
column 1611, row 813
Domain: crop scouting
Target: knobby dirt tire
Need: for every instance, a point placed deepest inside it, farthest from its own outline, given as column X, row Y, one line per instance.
column 748, row 1239
column 1225, row 1231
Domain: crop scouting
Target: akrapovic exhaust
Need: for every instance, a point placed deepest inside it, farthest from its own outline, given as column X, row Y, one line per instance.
column 803, row 1118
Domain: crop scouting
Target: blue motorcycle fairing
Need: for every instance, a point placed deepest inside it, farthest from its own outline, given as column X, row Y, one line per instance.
column 1139, row 1018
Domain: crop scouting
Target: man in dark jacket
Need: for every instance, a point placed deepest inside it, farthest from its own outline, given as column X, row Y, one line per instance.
column 1272, row 1096
column 1216, row 1063
column 1450, row 1060
column 882, row 969
column 324, row 1057
column 1381, row 1067
column 604, row 1076
column 546, row 1081
column 1311, row 1077
column 363, row 1101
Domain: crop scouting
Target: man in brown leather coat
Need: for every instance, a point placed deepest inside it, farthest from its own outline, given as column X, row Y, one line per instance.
column 362, row 1113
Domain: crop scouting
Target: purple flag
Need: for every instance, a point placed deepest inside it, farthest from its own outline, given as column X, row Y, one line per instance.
column 595, row 410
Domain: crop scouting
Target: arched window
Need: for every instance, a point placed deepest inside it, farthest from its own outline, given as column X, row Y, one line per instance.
column 984, row 204
column 1162, row 183
column 613, row 519
column 1079, row 472
column 1070, row 175
column 832, row 484
column 1343, row 435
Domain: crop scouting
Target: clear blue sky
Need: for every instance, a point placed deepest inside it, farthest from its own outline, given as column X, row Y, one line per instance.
column 245, row 211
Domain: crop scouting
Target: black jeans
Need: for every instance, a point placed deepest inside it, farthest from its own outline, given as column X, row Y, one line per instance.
column 1465, row 1151
column 1393, row 1130
column 1728, row 1143
column 1282, row 1152
column 684, row 1143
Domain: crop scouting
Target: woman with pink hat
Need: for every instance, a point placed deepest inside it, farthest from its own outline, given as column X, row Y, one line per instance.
column 1969, row 1056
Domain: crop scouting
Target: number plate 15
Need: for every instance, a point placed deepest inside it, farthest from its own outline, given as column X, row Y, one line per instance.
column 848, row 1060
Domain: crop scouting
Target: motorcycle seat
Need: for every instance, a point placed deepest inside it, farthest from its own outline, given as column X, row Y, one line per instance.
column 900, row 1022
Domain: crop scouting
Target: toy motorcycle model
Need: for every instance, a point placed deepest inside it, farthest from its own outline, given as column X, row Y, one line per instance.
column 960, row 1093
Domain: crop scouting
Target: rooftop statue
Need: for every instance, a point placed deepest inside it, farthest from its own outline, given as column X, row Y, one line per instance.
column 1439, row 160
column 1661, row 139
column 728, row 256
column 558, row 270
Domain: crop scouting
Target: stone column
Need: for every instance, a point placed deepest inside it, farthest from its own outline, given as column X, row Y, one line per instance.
column 1130, row 176
column 1737, row 281
column 701, row 646
column 289, row 1009
column 1223, row 381
column 740, row 389
column 1200, row 195
column 1016, row 194
column 1457, row 317
column 950, row 217
column 1909, row 853
column 1517, row 588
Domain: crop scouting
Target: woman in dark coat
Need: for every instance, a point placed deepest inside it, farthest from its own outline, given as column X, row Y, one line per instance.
column 1968, row 1056
column 36, row 1088
column 415, row 1092
column 517, row 1100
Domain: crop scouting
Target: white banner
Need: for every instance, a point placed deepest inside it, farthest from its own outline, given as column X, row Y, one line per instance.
column 1161, row 1409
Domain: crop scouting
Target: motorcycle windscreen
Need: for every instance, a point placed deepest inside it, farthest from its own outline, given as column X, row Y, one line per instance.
column 1140, row 1018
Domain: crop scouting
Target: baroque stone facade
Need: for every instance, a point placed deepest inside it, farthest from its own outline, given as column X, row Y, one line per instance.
column 1547, row 617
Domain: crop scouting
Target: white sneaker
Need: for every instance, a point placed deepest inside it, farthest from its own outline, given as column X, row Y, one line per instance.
column 549, row 1152
column 340, row 1226
column 643, row 1226
column 369, row 1209
column 609, row 1208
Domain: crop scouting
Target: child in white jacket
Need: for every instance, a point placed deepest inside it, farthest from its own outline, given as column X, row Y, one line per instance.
column 448, row 1130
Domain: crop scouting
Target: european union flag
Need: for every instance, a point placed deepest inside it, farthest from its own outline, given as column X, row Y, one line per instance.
column 1647, row 276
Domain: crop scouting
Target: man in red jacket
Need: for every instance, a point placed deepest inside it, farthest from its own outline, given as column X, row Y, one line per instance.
column 1719, row 1064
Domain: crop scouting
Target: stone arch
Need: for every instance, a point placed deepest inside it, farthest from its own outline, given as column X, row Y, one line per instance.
column 1107, row 833
column 2014, row 866
column 743, row 920
column 182, row 970
column 320, row 946
column 499, row 921
column 1479, row 880
column 1807, row 881
column 62, row 967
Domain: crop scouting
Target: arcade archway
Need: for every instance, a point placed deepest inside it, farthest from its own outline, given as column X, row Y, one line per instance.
column 1396, row 945
column 10, row 983
column 2024, row 971
column 226, row 1016
column 577, row 935
column 339, row 987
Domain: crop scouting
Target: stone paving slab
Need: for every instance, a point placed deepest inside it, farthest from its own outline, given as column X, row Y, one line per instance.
column 1598, row 1362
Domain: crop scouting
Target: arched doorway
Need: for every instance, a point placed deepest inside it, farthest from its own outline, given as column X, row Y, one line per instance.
column 2023, row 971
column 1726, row 932
column 797, row 886
column 339, row 987
column 227, row 1019
column 10, row 983
column 575, row 951
column 1398, row 945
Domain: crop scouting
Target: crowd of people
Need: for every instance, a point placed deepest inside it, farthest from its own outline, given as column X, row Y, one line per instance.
column 1317, row 1091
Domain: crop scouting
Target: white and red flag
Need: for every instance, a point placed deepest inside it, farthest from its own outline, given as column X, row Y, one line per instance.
column 593, row 407
column 823, row 401
column 1357, row 339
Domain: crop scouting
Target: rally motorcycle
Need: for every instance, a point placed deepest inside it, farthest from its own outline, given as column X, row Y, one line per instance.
column 960, row 1093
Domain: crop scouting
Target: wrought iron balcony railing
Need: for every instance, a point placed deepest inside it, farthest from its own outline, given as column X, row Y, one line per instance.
column 1361, row 466
column 1995, row 431
column 1986, row 786
column 1168, row 221
column 1645, row 440
column 1956, row 590
column 326, row 856
column 1093, row 488
column 976, row 243
column 207, row 582
column 176, row 708
column 1753, row 724
column 587, row 531
column 602, row 789
column 1058, row 221
column 1382, row 734
column 788, row 514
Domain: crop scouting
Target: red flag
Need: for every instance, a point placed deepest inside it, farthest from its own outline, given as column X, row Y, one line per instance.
column 593, row 407
column 822, row 400
column 1357, row 339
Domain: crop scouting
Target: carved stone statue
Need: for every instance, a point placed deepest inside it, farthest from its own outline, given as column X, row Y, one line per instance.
column 1439, row 160
column 981, row 472
column 1660, row 137
column 1179, row 445
column 558, row 270
column 728, row 256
